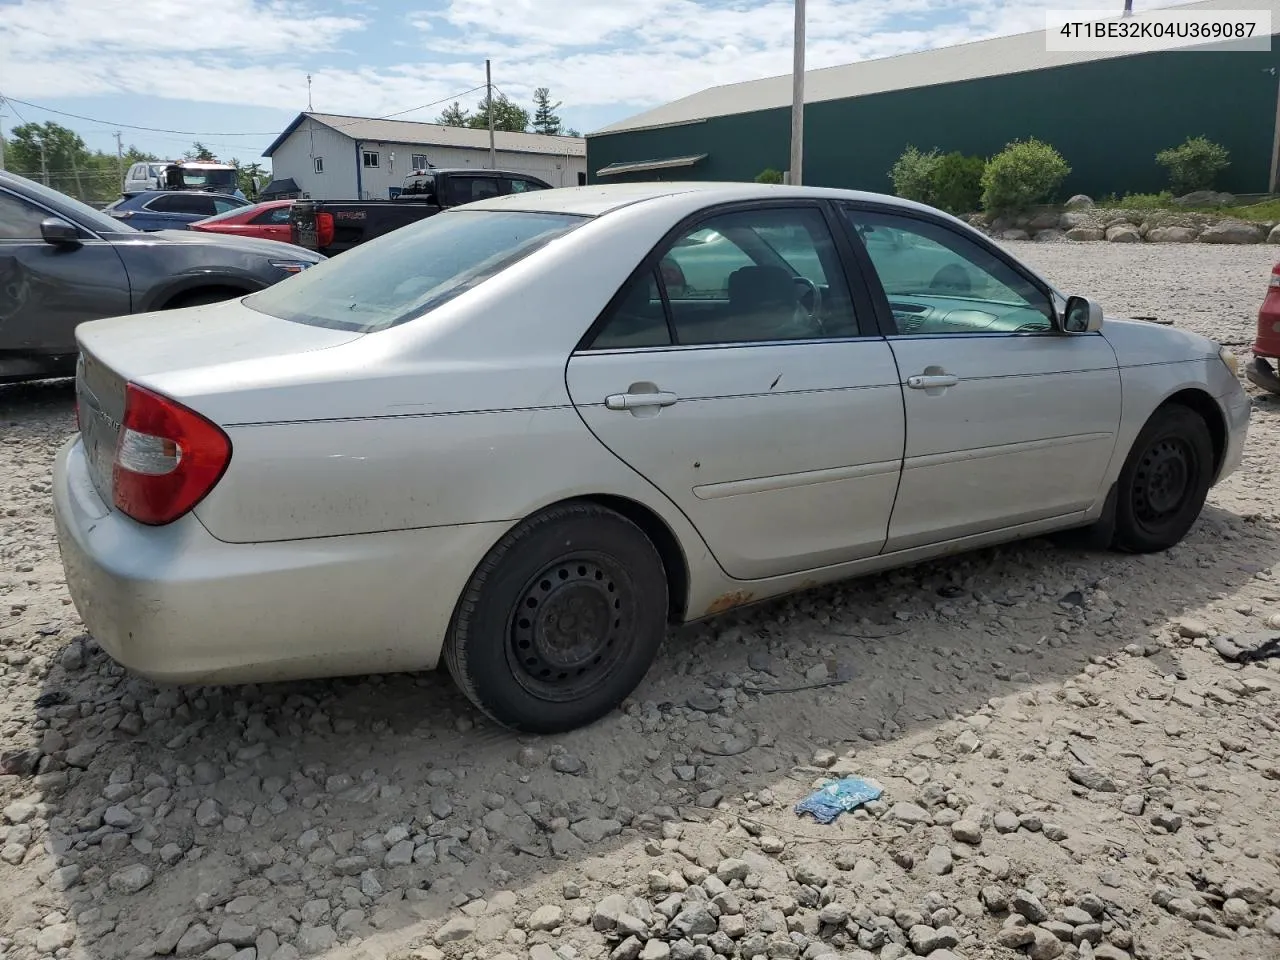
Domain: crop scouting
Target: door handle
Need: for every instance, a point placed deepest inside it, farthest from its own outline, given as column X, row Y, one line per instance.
column 932, row 381
column 634, row 401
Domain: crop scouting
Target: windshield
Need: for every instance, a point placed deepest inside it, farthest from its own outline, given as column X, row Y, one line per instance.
column 417, row 184
column 88, row 216
column 224, row 180
column 406, row 273
column 236, row 212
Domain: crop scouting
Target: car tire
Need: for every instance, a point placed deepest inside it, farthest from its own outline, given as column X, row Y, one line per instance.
column 1164, row 482
column 561, row 620
column 199, row 298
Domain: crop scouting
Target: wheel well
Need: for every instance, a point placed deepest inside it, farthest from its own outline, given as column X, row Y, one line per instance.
column 668, row 547
column 1207, row 408
column 225, row 290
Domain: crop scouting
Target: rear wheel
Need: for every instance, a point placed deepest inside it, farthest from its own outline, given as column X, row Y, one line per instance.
column 198, row 298
column 561, row 620
column 1165, row 480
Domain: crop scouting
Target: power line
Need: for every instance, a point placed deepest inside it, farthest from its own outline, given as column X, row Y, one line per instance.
column 209, row 133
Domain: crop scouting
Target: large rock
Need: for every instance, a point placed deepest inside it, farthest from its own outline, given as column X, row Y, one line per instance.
column 1015, row 234
column 1044, row 220
column 1079, row 202
column 1274, row 235
column 1123, row 233
column 1232, row 231
column 1086, row 233
column 1204, row 198
column 1172, row 234
column 1049, row 235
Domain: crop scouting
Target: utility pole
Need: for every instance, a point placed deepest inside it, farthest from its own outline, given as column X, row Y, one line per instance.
column 797, row 99
column 1, row 133
column 488, row 83
column 1128, row 8
column 120, row 159
column 75, row 169
column 308, row 93
column 44, row 166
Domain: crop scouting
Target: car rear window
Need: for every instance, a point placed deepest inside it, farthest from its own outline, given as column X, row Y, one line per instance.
column 408, row 272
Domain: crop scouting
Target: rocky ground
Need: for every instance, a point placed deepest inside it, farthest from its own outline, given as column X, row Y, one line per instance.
column 1069, row 767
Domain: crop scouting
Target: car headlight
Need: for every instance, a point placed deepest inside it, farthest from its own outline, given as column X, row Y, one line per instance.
column 291, row 266
column 1230, row 359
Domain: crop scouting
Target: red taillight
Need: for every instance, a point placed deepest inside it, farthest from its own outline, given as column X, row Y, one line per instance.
column 324, row 229
column 167, row 457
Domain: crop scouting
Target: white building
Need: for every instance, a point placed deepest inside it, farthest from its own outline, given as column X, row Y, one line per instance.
column 332, row 157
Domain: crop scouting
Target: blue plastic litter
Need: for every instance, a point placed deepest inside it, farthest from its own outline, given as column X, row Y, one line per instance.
column 836, row 797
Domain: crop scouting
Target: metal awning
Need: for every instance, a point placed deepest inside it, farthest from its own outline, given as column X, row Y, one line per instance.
column 641, row 166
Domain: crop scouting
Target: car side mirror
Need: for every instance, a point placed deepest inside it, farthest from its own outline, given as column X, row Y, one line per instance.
column 57, row 231
column 1082, row 315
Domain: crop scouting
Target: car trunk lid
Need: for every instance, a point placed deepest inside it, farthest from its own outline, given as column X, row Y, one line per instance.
column 140, row 348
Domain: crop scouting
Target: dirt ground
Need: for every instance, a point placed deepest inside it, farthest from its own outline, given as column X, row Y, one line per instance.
column 1068, row 766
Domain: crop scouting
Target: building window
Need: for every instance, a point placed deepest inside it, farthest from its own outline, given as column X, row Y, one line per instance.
column 371, row 159
column 319, row 164
column 420, row 162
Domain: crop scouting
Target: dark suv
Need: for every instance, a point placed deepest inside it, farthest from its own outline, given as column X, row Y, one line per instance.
column 63, row 262
column 171, row 209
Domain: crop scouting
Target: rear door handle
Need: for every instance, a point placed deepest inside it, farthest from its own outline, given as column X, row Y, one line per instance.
column 923, row 381
column 635, row 401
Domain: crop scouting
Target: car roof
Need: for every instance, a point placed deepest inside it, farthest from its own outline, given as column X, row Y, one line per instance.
column 600, row 199
column 151, row 194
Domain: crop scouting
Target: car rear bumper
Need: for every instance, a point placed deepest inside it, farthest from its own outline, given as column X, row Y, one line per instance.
column 175, row 604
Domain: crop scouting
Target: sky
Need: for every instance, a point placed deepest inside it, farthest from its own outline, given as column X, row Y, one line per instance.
column 233, row 73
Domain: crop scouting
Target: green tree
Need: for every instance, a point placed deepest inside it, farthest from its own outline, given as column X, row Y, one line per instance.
column 248, row 176
column 769, row 175
column 571, row 132
column 545, row 119
column 1194, row 164
column 506, row 116
column 62, row 149
column 453, row 116
column 199, row 151
column 1024, row 173
column 912, row 174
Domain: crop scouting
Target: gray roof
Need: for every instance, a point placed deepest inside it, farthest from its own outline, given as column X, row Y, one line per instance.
column 436, row 135
column 968, row 61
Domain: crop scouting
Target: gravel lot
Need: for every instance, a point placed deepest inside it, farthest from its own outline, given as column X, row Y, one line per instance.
column 1069, row 768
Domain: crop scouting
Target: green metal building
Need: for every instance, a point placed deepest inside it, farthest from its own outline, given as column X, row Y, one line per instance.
column 1108, row 114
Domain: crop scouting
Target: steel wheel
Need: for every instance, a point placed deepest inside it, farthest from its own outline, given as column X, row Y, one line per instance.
column 569, row 628
column 1162, row 481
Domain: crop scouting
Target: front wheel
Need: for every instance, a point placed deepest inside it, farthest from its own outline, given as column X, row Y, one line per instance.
column 1165, row 480
column 561, row 620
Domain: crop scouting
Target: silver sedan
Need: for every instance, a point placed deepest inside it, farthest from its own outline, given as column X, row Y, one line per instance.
column 530, row 433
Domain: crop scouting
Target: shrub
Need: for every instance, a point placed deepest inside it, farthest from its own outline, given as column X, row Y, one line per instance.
column 1194, row 165
column 912, row 174
column 957, row 183
column 1145, row 201
column 1024, row 173
column 769, row 175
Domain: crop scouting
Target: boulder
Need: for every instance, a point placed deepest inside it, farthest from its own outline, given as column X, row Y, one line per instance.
column 1074, row 218
column 1079, row 202
column 1232, row 231
column 1085, row 233
column 1172, row 234
column 1015, row 234
column 1123, row 233
column 1274, row 235
column 1051, row 233
column 1044, row 220
column 1204, row 198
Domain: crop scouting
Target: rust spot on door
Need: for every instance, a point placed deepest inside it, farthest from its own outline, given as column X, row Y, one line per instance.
column 728, row 601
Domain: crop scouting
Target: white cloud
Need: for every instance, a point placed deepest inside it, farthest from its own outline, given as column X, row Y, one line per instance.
column 591, row 53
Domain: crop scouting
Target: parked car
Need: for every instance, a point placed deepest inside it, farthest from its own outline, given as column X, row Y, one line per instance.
column 495, row 437
column 268, row 220
column 332, row 226
column 62, row 262
column 170, row 209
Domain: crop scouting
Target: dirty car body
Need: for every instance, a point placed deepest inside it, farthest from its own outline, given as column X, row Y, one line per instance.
column 526, row 435
column 63, row 263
